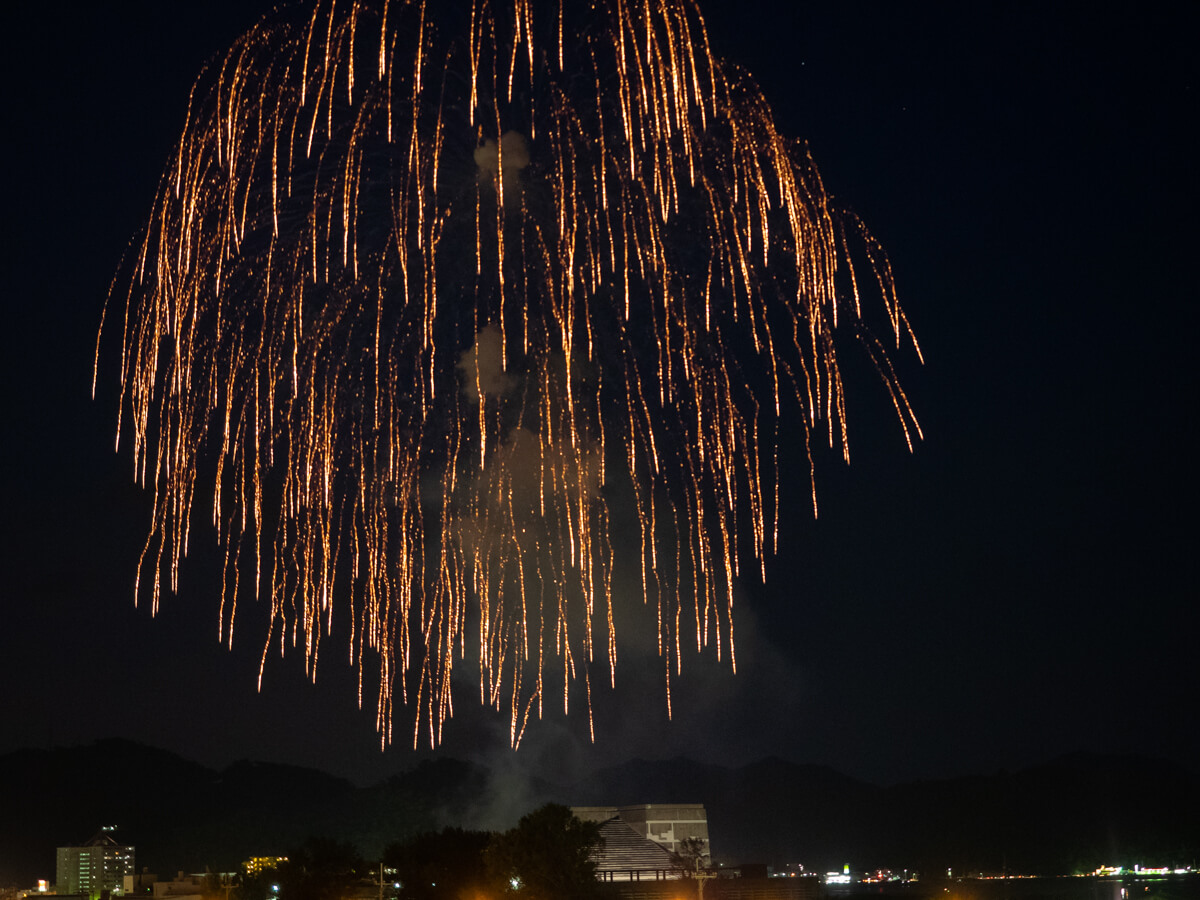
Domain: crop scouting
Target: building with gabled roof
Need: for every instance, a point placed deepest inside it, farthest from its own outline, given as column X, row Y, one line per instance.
column 668, row 824
column 625, row 855
column 639, row 841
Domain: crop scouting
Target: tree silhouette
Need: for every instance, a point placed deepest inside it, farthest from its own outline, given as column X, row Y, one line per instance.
column 547, row 856
column 436, row 865
column 322, row 869
column 691, row 857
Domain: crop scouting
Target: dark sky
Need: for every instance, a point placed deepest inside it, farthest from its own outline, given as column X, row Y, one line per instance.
column 1021, row 586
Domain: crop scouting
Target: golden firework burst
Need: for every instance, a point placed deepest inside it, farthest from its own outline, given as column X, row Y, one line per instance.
column 426, row 287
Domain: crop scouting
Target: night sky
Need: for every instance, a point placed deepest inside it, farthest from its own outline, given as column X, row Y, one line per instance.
column 1021, row 586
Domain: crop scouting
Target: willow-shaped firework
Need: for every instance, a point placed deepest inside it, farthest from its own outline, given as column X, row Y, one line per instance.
column 436, row 300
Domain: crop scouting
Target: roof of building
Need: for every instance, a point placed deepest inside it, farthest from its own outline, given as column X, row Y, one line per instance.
column 102, row 838
column 625, row 850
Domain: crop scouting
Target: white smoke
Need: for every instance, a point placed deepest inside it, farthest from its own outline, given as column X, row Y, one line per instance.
column 511, row 156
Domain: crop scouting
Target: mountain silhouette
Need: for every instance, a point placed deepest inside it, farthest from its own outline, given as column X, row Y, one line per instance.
column 1070, row 814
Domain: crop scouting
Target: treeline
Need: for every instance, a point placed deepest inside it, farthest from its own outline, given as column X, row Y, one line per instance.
column 547, row 856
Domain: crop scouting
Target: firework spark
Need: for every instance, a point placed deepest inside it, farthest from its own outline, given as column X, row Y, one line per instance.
column 423, row 292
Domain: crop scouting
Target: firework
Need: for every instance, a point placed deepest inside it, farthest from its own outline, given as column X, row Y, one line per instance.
column 435, row 309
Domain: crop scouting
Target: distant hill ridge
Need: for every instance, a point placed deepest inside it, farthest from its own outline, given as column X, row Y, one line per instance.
column 1074, row 812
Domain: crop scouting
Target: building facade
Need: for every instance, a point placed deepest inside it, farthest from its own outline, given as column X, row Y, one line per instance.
column 95, row 867
column 667, row 824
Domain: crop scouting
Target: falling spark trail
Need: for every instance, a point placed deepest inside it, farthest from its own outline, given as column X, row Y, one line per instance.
column 438, row 306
